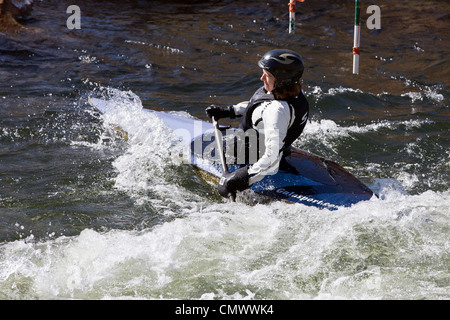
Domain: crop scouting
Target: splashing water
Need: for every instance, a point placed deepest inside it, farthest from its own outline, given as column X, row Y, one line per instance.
column 87, row 214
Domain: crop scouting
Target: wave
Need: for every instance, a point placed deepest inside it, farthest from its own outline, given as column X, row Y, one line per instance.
column 329, row 128
column 235, row 251
column 202, row 247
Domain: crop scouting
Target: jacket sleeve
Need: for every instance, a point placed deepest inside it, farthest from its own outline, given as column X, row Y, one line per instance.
column 239, row 109
column 276, row 120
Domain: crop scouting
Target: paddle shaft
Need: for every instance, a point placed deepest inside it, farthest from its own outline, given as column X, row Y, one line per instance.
column 218, row 136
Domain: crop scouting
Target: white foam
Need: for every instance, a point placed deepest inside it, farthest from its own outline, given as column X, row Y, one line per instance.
column 326, row 128
column 317, row 91
column 427, row 93
column 234, row 251
column 152, row 147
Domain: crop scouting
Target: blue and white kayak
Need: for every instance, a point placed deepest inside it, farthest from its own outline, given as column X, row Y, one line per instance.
column 302, row 177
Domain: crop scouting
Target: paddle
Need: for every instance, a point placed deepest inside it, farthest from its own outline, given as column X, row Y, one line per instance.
column 218, row 136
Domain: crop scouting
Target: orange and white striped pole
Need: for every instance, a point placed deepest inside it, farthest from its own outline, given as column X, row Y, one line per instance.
column 292, row 10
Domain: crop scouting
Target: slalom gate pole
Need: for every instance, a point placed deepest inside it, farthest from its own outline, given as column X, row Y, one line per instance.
column 356, row 37
column 292, row 10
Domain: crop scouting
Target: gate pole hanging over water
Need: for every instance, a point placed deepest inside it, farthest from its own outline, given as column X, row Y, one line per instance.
column 292, row 9
column 356, row 37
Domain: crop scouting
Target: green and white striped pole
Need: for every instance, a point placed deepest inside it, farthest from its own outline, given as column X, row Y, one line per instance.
column 356, row 38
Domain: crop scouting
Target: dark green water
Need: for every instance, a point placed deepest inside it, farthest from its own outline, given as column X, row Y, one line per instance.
column 85, row 214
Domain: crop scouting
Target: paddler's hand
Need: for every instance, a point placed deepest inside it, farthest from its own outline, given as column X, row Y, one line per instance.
column 220, row 112
column 232, row 182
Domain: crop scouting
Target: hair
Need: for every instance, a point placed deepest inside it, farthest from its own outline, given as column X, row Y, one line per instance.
column 288, row 92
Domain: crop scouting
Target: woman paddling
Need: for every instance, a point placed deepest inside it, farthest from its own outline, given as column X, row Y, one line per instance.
column 278, row 111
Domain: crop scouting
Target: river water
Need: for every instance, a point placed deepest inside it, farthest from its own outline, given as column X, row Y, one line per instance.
column 86, row 214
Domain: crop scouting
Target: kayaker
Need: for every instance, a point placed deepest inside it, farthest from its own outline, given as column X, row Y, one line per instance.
column 278, row 111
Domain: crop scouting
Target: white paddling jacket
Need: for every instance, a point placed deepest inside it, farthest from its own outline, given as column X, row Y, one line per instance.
column 280, row 122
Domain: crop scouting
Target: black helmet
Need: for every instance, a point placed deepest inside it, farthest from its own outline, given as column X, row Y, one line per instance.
column 285, row 65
